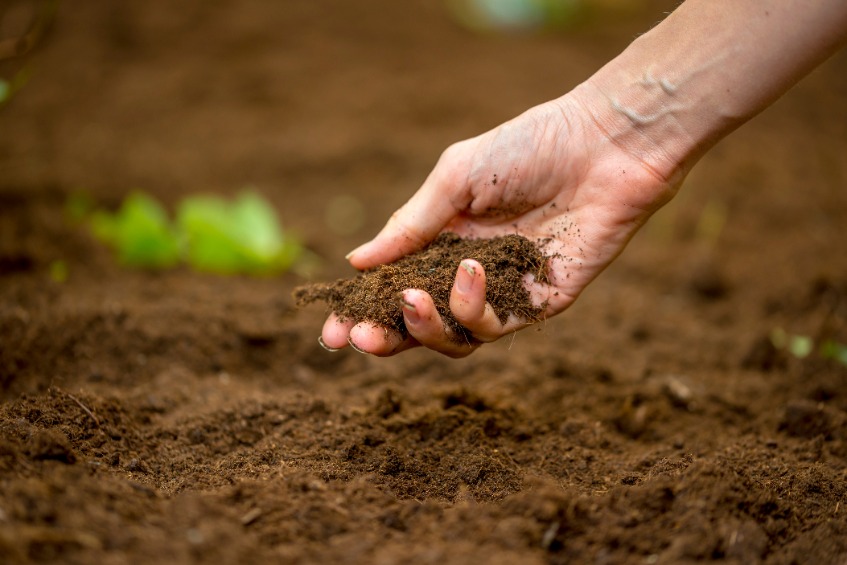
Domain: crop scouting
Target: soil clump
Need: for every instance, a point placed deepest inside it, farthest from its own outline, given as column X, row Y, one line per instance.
column 375, row 295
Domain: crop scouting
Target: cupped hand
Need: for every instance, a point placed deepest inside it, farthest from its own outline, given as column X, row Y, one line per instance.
column 552, row 175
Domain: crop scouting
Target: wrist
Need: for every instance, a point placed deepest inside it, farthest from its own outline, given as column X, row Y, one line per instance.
column 652, row 117
column 707, row 68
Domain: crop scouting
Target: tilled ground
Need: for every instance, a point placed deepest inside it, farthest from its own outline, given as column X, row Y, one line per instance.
column 181, row 417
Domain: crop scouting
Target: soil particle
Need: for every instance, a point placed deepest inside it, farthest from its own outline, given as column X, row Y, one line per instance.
column 388, row 404
column 53, row 445
column 805, row 419
column 375, row 295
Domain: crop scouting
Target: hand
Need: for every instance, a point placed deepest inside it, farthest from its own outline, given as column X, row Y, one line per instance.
column 552, row 175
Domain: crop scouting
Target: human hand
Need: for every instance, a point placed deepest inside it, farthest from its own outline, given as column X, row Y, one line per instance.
column 552, row 175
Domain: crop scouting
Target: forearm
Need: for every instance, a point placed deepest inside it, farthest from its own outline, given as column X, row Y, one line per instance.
column 705, row 70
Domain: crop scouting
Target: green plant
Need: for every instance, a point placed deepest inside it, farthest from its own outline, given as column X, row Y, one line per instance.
column 801, row 346
column 58, row 271
column 831, row 349
column 210, row 234
column 9, row 87
column 231, row 237
column 139, row 232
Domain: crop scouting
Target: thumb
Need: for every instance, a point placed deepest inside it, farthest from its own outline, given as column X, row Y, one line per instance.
column 413, row 226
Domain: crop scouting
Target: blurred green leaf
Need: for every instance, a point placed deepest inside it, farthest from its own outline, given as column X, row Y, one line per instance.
column 243, row 236
column 831, row 349
column 59, row 271
column 139, row 232
column 503, row 15
column 800, row 346
column 779, row 338
column 210, row 234
column 8, row 88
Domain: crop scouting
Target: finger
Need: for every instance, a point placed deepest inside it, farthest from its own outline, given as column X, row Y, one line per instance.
column 468, row 305
column 335, row 332
column 417, row 222
column 366, row 337
column 425, row 325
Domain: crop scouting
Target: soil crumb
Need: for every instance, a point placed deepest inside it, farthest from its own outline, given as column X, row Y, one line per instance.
column 375, row 295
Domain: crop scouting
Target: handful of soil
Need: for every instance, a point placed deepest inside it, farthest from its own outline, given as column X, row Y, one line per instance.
column 374, row 295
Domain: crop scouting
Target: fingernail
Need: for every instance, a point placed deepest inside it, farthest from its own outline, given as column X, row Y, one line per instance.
column 464, row 280
column 350, row 255
column 325, row 346
column 356, row 347
column 410, row 311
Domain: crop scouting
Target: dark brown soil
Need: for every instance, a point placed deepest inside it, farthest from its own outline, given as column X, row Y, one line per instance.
column 376, row 294
column 176, row 417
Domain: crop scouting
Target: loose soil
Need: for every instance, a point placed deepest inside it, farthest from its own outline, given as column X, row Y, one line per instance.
column 178, row 417
column 376, row 295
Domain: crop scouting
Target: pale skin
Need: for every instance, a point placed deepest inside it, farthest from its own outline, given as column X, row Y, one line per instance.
column 582, row 173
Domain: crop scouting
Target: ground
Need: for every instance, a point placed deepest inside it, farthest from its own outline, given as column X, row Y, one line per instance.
column 183, row 417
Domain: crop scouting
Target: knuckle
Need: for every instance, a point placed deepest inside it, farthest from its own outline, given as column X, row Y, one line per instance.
column 406, row 236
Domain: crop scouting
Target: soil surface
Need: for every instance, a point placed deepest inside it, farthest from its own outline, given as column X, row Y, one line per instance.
column 179, row 417
column 376, row 295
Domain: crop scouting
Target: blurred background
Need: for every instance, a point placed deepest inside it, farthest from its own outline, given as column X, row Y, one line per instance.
column 335, row 112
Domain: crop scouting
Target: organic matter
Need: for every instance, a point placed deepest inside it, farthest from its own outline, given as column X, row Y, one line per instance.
column 375, row 295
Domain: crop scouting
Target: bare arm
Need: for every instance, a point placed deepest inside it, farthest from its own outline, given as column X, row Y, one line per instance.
column 603, row 157
column 705, row 70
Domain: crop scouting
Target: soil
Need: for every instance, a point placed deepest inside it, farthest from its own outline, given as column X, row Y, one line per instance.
column 376, row 295
column 179, row 417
